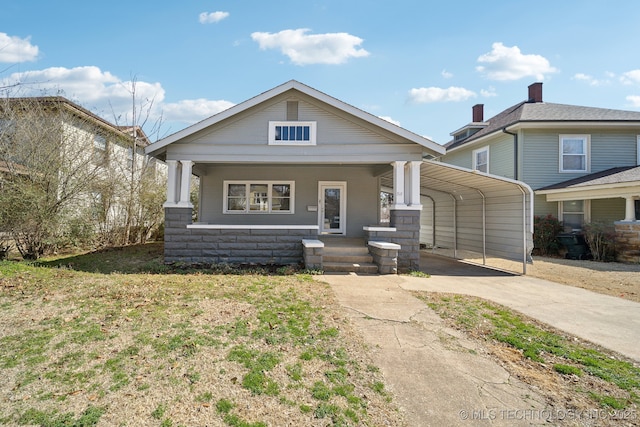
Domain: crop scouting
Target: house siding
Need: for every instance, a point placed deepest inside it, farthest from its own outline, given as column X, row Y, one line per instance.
column 462, row 158
column 612, row 149
column 541, row 154
column 607, row 210
column 501, row 156
column 362, row 194
column 250, row 127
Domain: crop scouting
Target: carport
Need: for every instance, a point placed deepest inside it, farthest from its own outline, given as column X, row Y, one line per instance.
column 474, row 216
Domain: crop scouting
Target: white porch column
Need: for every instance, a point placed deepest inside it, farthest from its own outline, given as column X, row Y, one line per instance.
column 398, row 185
column 172, row 184
column 630, row 209
column 414, row 184
column 185, row 184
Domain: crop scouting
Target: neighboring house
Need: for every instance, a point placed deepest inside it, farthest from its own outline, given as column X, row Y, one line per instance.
column 90, row 160
column 583, row 163
column 293, row 169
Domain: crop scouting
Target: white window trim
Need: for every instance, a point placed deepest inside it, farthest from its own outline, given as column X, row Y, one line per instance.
column 586, row 211
column 475, row 158
column 587, row 139
column 272, row 133
column 638, row 150
column 291, row 184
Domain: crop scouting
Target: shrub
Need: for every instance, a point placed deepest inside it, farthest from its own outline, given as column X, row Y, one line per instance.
column 545, row 232
column 601, row 238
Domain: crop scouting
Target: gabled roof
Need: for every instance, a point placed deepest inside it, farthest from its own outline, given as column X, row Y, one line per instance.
column 545, row 112
column 161, row 145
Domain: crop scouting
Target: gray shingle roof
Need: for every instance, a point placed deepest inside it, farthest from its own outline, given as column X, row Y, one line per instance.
column 610, row 176
column 548, row 112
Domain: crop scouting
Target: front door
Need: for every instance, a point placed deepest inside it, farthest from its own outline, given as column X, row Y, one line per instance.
column 332, row 203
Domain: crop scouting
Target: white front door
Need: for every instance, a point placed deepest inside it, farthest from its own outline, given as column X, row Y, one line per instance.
column 332, row 203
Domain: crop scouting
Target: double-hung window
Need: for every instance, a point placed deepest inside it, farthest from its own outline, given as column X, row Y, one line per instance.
column 574, row 153
column 258, row 197
column 481, row 159
column 574, row 214
column 292, row 133
column 100, row 153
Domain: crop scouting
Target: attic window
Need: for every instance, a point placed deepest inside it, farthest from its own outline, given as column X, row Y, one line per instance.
column 292, row 133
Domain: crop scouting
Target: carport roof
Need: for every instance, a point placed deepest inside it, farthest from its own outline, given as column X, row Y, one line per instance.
column 463, row 183
column 503, row 220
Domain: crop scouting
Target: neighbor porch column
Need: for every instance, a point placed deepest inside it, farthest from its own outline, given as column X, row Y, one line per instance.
column 630, row 209
column 185, row 184
column 172, row 184
column 398, row 185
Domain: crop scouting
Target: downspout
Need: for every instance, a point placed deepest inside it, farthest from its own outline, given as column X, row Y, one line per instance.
column 515, row 151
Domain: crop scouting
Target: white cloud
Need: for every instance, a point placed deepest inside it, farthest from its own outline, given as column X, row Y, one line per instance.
column 508, row 63
column 109, row 96
column 634, row 100
column 390, row 120
column 425, row 95
column 590, row 80
column 488, row 93
column 631, row 77
column 446, row 74
column 193, row 110
column 212, row 17
column 304, row 49
column 15, row 50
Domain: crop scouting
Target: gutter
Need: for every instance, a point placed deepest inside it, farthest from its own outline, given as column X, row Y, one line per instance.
column 515, row 151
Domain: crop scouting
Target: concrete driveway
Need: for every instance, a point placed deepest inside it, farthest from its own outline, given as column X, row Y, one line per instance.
column 611, row 322
column 438, row 376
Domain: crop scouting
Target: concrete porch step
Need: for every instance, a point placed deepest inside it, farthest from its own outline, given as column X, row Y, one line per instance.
column 348, row 258
column 346, row 267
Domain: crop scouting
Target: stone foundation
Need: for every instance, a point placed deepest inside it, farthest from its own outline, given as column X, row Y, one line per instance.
column 248, row 245
column 628, row 241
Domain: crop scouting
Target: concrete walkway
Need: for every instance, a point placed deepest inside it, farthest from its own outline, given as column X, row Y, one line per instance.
column 441, row 378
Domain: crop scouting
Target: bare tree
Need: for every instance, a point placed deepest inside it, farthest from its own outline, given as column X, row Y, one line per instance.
column 46, row 171
column 142, row 192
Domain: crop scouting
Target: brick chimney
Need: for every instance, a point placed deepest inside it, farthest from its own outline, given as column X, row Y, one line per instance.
column 535, row 92
column 478, row 113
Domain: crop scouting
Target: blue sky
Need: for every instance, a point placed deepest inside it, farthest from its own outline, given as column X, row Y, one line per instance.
column 421, row 64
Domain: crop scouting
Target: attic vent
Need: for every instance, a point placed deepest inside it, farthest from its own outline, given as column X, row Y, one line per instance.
column 292, row 111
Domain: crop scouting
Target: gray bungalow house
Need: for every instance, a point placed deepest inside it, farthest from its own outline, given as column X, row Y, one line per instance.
column 583, row 163
column 294, row 174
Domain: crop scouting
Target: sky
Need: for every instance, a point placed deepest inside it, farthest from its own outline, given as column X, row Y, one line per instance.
column 420, row 64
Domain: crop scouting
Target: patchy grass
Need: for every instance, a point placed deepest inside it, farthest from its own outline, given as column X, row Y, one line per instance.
column 105, row 338
column 579, row 368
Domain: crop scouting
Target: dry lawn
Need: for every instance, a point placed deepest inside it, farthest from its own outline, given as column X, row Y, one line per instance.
column 182, row 348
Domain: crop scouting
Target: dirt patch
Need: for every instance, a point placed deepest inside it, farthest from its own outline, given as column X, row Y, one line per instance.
column 610, row 278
